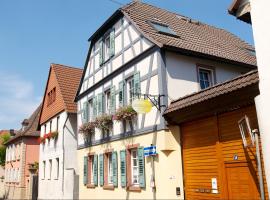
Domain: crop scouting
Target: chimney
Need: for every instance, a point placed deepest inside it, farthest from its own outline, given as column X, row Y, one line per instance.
column 11, row 132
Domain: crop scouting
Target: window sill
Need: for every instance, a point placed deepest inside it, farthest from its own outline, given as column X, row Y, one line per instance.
column 90, row 186
column 108, row 187
column 134, row 188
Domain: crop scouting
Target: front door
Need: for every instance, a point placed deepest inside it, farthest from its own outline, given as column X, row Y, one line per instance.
column 240, row 181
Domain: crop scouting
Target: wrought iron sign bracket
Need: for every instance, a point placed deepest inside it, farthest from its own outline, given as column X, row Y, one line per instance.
column 155, row 99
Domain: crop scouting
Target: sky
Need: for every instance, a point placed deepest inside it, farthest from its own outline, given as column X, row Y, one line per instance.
column 35, row 33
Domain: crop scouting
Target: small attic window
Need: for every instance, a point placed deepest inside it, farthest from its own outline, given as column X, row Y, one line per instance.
column 162, row 28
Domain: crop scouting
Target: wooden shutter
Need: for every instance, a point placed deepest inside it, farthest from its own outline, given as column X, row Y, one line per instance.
column 101, row 52
column 112, row 43
column 114, row 165
column 95, row 175
column 121, row 93
column 141, row 167
column 113, row 103
column 101, row 170
column 99, row 104
column 85, row 170
column 85, row 112
column 137, row 84
column 94, row 107
column 123, row 168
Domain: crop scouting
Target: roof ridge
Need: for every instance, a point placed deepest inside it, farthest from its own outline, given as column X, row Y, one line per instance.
column 35, row 115
column 66, row 66
column 217, row 85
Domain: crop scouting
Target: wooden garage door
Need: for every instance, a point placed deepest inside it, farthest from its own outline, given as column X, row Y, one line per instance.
column 200, row 158
column 212, row 149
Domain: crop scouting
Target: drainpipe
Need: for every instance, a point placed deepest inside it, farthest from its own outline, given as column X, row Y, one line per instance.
column 63, row 148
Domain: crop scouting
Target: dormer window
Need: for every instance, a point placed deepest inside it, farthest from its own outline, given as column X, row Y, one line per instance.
column 106, row 47
column 51, row 96
column 163, row 28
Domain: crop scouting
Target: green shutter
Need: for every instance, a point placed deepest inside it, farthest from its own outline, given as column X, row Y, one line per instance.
column 121, row 93
column 112, row 43
column 99, row 104
column 137, row 84
column 95, row 175
column 94, row 107
column 101, row 52
column 85, row 112
column 112, row 106
column 114, row 166
column 123, row 168
column 101, row 170
column 85, row 170
column 141, row 167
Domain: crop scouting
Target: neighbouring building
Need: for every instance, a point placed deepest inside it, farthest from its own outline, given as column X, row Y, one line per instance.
column 215, row 163
column 257, row 13
column 143, row 50
column 58, row 139
column 21, row 154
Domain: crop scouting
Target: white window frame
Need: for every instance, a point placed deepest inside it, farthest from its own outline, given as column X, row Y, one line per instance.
column 92, row 169
column 110, row 169
column 108, row 99
column 130, row 89
column 107, row 47
column 134, row 175
column 210, row 76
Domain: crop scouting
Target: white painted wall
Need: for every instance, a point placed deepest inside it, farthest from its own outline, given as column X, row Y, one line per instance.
column 55, row 188
column 182, row 73
column 260, row 23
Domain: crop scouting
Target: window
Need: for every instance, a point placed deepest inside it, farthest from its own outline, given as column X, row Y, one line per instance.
column 110, row 169
column 108, row 102
column 130, row 90
column 107, row 48
column 205, row 78
column 51, row 97
column 162, row 28
column 45, row 129
column 90, row 171
column 50, row 169
column 91, row 110
column 44, row 170
column 134, row 167
column 56, row 168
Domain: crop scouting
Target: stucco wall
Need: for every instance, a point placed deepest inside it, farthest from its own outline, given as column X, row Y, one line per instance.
column 54, row 188
column 167, row 165
column 182, row 73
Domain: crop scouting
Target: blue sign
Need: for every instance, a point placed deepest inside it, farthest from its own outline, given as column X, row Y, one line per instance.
column 150, row 151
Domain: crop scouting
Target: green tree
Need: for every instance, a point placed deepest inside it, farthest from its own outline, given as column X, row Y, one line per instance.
column 3, row 139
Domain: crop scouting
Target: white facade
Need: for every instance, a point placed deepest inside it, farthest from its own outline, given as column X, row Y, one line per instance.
column 260, row 19
column 57, row 166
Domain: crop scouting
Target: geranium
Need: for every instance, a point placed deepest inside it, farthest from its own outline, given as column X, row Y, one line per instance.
column 104, row 122
column 87, row 128
column 125, row 113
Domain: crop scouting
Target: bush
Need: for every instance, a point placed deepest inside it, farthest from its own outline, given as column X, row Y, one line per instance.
column 125, row 113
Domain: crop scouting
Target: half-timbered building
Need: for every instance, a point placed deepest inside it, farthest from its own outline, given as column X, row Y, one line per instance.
column 144, row 51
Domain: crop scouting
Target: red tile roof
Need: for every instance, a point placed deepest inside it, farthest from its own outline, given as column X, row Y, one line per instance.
column 32, row 129
column 68, row 79
column 193, row 36
column 215, row 91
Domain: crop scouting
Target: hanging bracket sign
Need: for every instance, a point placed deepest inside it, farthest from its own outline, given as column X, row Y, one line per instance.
column 142, row 106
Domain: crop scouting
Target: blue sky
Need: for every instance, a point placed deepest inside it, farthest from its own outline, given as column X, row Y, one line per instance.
column 34, row 34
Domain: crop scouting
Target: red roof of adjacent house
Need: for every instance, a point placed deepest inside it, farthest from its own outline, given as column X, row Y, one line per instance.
column 237, row 83
column 193, row 36
column 64, row 80
column 32, row 129
column 68, row 79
